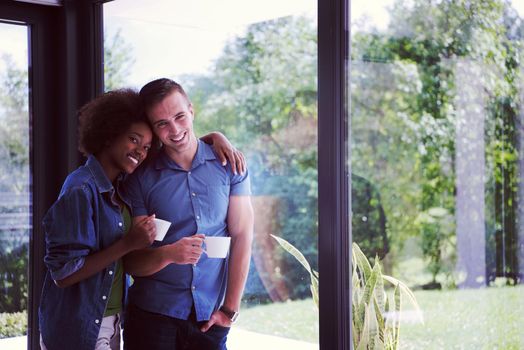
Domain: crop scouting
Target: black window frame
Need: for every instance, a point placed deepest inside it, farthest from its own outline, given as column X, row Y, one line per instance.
column 334, row 192
column 65, row 70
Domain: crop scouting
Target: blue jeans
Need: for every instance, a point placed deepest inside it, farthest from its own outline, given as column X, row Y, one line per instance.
column 149, row 331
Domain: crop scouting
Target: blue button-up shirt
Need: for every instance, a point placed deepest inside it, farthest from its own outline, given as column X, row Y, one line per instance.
column 194, row 201
column 83, row 220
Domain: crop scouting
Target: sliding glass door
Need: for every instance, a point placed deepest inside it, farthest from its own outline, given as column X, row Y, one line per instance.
column 250, row 69
column 15, row 182
column 438, row 166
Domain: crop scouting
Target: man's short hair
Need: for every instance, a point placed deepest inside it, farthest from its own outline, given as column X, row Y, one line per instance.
column 156, row 90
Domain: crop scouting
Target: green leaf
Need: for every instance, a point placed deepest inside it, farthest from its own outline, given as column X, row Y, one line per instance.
column 362, row 262
column 396, row 331
column 406, row 291
column 302, row 260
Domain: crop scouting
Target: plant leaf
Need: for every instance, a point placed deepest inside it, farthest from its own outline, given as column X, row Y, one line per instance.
column 291, row 249
column 405, row 290
column 361, row 261
column 295, row 252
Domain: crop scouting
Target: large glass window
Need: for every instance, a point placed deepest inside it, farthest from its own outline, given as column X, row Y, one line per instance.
column 15, row 184
column 438, row 167
column 250, row 69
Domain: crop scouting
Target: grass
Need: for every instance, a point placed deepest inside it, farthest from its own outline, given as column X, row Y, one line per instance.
column 490, row 318
column 291, row 319
column 13, row 324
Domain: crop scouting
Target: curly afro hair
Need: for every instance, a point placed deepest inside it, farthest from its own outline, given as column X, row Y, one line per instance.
column 108, row 116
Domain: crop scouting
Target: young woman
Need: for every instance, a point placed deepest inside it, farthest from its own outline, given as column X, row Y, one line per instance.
column 88, row 228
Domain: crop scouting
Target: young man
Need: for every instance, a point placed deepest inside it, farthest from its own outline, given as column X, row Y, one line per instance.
column 181, row 299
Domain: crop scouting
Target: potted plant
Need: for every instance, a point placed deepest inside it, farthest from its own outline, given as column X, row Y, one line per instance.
column 376, row 312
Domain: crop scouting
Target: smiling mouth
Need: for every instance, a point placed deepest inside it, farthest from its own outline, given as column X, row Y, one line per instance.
column 178, row 138
column 133, row 159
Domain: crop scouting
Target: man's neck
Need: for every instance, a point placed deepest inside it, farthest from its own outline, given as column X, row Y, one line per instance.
column 185, row 158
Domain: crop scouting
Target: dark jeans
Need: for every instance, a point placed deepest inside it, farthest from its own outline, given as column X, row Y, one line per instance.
column 149, row 331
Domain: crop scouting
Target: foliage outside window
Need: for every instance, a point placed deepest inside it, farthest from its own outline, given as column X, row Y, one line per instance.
column 436, row 108
column 15, row 209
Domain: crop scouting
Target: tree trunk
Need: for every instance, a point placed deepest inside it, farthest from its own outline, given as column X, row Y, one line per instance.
column 470, row 175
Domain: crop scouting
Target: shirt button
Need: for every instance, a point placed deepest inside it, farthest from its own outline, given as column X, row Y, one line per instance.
column 193, row 194
column 194, row 265
column 97, row 321
column 193, row 287
column 198, row 217
column 110, row 272
column 120, row 224
column 188, row 173
column 104, row 297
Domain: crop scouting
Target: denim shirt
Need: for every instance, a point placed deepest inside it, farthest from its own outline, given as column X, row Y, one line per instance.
column 194, row 201
column 82, row 221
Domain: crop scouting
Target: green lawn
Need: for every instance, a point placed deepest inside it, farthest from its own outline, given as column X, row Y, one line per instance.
column 491, row 318
column 292, row 319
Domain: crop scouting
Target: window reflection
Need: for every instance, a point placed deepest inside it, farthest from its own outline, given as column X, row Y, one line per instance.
column 15, row 182
column 436, row 127
column 253, row 76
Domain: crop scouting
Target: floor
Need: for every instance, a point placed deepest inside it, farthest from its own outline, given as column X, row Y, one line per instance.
column 238, row 339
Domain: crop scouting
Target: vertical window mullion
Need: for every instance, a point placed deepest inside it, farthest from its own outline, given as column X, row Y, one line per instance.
column 334, row 229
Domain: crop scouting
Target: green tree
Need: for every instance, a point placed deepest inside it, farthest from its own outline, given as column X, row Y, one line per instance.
column 262, row 94
column 14, row 181
column 118, row 61
column 404, row 81
column 14, row 128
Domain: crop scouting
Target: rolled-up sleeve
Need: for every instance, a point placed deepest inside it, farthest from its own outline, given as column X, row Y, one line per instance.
column 240, row 185
column 70, row 232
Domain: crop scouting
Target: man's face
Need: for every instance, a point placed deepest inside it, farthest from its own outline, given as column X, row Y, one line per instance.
column 172, row 121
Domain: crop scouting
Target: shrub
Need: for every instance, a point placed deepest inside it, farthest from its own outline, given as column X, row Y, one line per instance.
column 13, row 324
column 13, row 270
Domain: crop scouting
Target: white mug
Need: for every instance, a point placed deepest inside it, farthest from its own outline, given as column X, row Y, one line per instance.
column 161, row 228
column 216, row 247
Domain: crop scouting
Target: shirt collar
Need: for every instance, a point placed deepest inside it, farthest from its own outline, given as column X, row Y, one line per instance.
column 102, row 182
column 204, row 152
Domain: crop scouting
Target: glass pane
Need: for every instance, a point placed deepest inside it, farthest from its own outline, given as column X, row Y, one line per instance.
column 438, row 166
column 250, row 69
column 15, row 185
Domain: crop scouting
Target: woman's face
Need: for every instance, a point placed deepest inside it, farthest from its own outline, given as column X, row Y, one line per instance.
column 130, row 149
